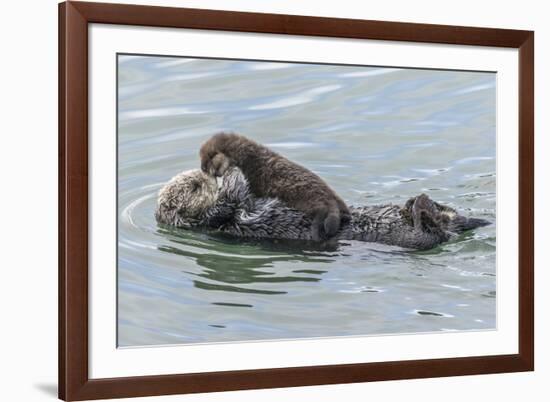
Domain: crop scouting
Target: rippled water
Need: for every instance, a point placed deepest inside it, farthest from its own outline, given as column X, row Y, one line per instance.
column 376, row 135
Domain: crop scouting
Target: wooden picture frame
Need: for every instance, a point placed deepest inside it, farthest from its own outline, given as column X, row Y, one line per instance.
column 74, row 381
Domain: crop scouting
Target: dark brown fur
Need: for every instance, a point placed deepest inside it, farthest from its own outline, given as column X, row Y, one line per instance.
column 272, row 175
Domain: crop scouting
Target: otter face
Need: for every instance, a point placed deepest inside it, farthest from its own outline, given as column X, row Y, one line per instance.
column 184, row 199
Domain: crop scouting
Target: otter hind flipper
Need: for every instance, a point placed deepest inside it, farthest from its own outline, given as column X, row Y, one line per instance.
column 345, row 213
column 332, row 223
column 333, row 219
column 459, row 223
column 476, row 223
column 324, row 223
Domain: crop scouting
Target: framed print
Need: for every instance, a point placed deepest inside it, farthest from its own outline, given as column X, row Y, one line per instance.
column 259, row 200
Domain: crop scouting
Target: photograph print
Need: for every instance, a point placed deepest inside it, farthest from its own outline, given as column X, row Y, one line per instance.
column 275, row 200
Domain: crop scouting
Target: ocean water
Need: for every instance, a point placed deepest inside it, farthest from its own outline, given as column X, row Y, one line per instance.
column 374, row 134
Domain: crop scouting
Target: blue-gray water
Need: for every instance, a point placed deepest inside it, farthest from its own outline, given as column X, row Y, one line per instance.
column 376, row 135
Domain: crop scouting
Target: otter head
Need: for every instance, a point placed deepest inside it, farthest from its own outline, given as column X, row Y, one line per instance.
column 185, row 198
column 213, row 159
column 216, row 164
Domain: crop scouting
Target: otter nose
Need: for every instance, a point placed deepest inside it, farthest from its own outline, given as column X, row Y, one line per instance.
column 203, row 167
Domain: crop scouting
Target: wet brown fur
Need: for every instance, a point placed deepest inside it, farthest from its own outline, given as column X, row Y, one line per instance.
column 273, row 175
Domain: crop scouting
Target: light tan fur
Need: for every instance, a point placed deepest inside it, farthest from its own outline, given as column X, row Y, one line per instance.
column 186, row 195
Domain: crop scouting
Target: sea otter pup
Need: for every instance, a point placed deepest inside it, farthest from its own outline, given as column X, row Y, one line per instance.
column 272, row 175
column 190, row 200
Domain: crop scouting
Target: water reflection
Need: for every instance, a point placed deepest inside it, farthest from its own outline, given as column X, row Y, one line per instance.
column 221, row 269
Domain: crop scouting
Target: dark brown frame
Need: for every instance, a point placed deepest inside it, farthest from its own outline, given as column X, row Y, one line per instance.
column 74, row 17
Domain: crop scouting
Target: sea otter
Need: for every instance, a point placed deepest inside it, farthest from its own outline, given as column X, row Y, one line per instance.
column 193, row 200
column 272, row 175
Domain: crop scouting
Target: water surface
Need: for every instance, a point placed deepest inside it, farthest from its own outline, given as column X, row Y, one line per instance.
column 376, row 135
